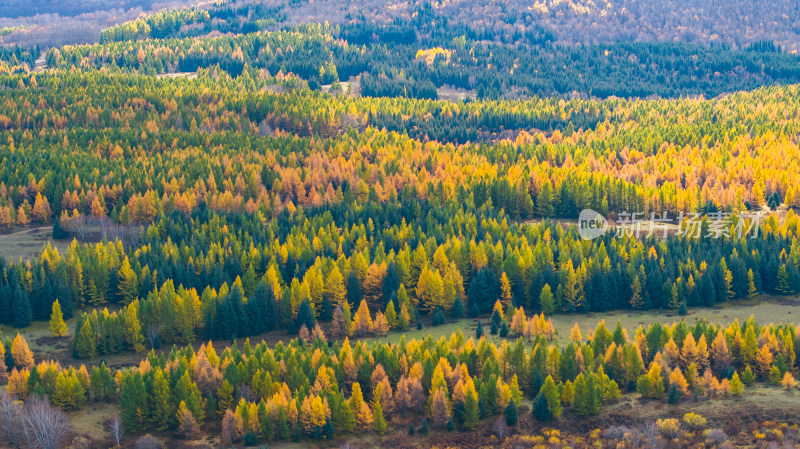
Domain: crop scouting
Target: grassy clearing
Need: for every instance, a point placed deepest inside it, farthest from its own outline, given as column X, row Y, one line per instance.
column 27, row 243
column 90, row 421
column 41, row 342
column 758, row 404
column 764, row 310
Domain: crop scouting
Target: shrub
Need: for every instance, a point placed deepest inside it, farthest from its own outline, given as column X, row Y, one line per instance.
column 669, row 428
column 683, row 310
column 694, row 421
column 734, row 426
column 411, row 431
column 615, row 432
column 716, row 437
column 148, row 442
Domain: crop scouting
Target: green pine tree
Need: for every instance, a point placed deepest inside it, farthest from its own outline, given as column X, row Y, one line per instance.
column 511, row 414
column 379, row 422
column 472, row 412
column 160, row 400
column 86, row 342
column 541, row 411
column 783, row 281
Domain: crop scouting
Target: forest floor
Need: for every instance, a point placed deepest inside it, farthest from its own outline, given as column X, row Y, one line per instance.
column 26, row 243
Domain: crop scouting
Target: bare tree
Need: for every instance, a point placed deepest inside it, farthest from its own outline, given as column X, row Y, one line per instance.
column 152, row 335
column 10, row 411
column 45, row 426
column 716, row 437
column 651, row 436
column 115, row 429
column 501, row 429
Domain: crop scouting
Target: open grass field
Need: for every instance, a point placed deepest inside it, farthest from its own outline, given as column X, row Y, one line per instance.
column 28, row 242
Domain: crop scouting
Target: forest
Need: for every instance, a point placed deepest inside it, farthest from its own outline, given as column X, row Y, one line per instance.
column 306, row 216
column 267, row 232
column 413, row 59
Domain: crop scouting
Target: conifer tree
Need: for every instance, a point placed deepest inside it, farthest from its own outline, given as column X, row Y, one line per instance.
column 102, row 382
column 379, row 423
column 57, row 325
column 162, row 409
column 471, row 411
column 224, row 397
column 440, row 409
column 505, row 288
column 334, row 286
column 21, row 309
column 511, row 414
column 133, row 401
column 69, row 393
column 550, row 392
column 187, row 426
column 86, row 341
column 752, row 291
column 541, row 410
column 783, row 287
column 128, row 282
column 536, row 383
column 344, row 419
column 132, row 327
column 424, row 427
column 391, row 315
column 736, row 385
column 636, row 294
column 546, row 302
column 361, row 411
column 22, row 354
column 362, row 322
column 457, row 311
column 748, row 377
column 586, row 401
column 305, row 316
